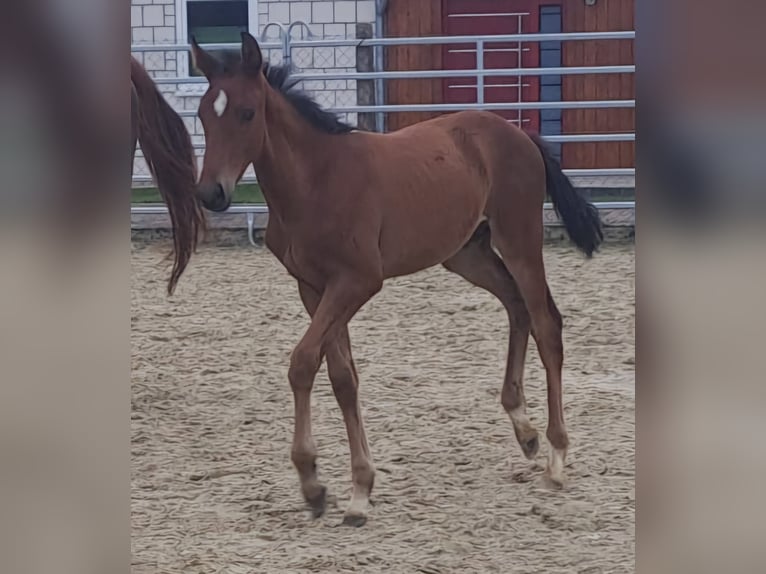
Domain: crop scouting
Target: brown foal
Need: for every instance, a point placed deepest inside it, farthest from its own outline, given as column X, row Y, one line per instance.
column 348, row 210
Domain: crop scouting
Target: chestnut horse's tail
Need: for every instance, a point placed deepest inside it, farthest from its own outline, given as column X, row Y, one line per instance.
column 169, row 154
column 581, row 218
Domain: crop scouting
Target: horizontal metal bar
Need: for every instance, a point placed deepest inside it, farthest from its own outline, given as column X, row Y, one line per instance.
column 573, row 138
column 263, row 209
column 486, row 14
column 469, row 73
column 606, row 172
column 182, row 81
column 487, row 50
column 564, row 37
column 586, row 138
column 431, row 74
column 615, row 204
column 427, row 40
column 596, row 104
column 237, row 208
column 474, row 86
column 187, row 47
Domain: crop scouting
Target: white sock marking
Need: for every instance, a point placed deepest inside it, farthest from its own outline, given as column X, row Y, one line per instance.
column 556, row 463
column 519, row 417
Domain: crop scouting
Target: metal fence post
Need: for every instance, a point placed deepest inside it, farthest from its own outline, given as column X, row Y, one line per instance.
column 381, row 7
column 365, row 89
column 287, row 56
column 284, row 38
column 480, row 70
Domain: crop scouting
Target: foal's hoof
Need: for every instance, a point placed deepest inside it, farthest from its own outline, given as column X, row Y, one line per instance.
column 530, row 446
column 355, row 520
column 552, row 481
column 318, row 503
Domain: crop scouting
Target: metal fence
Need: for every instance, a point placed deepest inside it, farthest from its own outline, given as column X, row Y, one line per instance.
column 327, row 68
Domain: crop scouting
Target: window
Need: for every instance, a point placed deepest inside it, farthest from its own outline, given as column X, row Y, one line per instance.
column 213, row 22
column 550, row 86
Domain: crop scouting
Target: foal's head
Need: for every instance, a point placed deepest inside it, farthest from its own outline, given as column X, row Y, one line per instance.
column 232, row 115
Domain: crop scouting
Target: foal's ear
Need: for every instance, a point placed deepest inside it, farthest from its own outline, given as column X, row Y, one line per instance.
column 203, row 61
column 252, row 58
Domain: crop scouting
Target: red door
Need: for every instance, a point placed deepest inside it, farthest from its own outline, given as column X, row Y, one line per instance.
column 483, row 17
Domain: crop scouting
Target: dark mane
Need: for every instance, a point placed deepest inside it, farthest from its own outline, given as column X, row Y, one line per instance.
column 280, row 79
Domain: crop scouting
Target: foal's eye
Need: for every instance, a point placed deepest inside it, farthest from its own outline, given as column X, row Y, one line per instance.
column 246, row 115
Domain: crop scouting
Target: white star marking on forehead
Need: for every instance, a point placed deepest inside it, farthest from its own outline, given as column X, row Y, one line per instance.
column 220, row 103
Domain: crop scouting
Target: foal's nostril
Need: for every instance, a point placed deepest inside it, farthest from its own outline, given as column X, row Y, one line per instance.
column 219, row 194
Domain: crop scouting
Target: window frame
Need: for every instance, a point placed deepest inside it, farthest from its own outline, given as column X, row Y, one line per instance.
column 182, row 35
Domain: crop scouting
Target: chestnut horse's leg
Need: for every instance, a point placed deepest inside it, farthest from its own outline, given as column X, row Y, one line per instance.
column 520, row 241
column 337, row 305
column 345, row 385
column 480, row 265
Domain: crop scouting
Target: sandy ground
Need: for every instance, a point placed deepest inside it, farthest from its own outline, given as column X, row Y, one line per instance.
column 213, row 487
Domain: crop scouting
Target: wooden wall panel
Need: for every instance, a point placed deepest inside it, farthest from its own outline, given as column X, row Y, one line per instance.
column 494, row 17
column 407, row 18
column 611, row 15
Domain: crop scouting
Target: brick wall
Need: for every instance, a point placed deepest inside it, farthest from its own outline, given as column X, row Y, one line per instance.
column 154, row 22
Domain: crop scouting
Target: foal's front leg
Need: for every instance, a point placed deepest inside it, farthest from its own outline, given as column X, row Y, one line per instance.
column 338, row 304
column 345, row 385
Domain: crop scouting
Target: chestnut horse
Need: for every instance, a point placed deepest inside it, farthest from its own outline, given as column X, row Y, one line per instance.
column 349, row 209
column 169, row 154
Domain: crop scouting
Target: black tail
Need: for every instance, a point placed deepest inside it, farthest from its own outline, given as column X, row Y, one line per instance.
column 581, row 218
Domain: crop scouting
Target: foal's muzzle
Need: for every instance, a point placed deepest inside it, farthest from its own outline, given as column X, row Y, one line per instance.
column 214, row 197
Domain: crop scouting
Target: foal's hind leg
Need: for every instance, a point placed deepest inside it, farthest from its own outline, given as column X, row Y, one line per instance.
column 520, row 244
column 478, row 264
